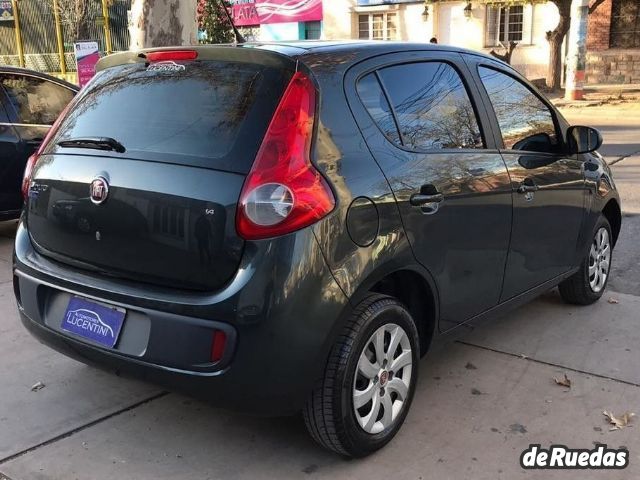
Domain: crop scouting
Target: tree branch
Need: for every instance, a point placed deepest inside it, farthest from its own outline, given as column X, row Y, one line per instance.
column 594, row 6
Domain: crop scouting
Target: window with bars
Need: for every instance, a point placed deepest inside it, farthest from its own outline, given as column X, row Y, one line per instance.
column 625, row 24
column 504, row 24
column 312, row 30
column 378, row 26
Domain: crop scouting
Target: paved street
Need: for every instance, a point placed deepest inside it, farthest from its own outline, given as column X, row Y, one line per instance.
column 483, row 397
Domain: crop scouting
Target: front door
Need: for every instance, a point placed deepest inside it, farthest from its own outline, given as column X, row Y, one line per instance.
column 548, row 186
column 451, row 186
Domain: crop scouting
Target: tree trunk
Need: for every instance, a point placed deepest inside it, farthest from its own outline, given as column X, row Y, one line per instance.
column 162, row 23
column 555, row 38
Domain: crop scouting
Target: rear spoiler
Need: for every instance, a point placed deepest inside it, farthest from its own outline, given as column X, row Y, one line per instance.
column 246, row 53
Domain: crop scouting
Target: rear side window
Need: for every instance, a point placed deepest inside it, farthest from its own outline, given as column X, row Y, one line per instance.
column 210, row 113
column 432, row 106
column 36, row 101
column 525, row 121
column 374, row 100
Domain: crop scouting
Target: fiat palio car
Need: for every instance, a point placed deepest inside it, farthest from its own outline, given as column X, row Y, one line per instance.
column 286, row 227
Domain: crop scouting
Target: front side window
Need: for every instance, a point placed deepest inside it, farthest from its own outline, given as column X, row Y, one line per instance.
column 36, row 101
column 378, row 26
column 432, row 106
column 504, row 24
column 526, row 122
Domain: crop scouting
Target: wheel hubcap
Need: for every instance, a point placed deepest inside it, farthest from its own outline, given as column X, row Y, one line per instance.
column 382, row 379
column 599, row 260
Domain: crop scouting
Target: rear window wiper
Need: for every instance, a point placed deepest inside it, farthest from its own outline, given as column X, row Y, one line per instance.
column 97, row 143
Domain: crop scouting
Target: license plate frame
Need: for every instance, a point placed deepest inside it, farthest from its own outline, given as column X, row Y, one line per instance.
column 94, row 321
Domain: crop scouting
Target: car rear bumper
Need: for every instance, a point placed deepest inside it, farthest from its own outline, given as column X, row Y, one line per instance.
column 280, row 314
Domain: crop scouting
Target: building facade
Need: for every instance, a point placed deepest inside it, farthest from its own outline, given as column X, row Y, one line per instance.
column 473, row 25
column 613, row 43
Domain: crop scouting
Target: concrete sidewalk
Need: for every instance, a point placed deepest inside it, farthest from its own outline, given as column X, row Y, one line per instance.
column 479, row 404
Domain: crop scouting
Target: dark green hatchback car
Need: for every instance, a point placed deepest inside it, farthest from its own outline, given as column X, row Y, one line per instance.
column 287, row 227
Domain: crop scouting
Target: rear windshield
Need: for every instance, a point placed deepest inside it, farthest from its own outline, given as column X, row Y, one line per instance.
column 212, row 113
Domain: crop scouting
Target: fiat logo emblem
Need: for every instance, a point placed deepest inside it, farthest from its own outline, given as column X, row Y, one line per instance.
column 99, row 190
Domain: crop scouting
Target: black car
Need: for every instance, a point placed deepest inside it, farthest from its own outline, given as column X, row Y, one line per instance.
column 287, row 227
column 29, row 104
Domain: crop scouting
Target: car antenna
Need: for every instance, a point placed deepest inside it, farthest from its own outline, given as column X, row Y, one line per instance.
column 236, row 32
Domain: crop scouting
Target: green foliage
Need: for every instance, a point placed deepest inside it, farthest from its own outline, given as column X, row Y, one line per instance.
column 213, row 21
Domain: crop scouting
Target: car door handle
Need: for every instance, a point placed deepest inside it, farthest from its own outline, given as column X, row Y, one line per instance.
column 528, row 186
column 420, row 199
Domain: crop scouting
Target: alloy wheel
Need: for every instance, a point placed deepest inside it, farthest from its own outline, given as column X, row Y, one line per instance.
column 599, row 260
column 382, row 379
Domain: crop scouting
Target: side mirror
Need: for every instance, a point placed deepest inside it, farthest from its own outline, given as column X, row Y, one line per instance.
column 583, row 139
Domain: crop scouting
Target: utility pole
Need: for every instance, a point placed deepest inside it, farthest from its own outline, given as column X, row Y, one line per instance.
column 56, row 18
column 577, row 52
column 16, row 20
column 107, row 29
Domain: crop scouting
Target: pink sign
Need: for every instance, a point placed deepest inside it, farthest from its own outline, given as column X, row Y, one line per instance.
column 257, row 12
column 87, row 55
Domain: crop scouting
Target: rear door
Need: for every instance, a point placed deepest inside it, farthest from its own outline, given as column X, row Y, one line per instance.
column 548, row 186
column 450, row 183
column 189, row 131
column 32, row 104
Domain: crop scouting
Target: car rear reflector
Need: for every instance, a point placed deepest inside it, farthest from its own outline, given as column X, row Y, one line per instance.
column 217, row 345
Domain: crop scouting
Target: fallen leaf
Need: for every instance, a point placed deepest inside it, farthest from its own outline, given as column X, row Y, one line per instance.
column 619, row 422
column 470, row 366
column 37, row 386
column 475, row 391
column 565, row 382
column 613, row 300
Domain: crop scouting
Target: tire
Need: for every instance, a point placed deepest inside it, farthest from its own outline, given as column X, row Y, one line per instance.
column 330, row 415
column 586, row 287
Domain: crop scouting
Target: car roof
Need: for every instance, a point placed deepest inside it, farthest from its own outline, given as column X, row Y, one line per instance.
column 310, row 52
column 34, row 73
column 356, row 50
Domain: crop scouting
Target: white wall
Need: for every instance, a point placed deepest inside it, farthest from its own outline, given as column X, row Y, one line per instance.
column 448, row 23
column 341, row 20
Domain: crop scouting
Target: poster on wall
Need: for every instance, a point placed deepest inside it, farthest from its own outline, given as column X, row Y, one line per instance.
column 87, row 55
column 260, row 12
column 366, row 3
column 6, row 11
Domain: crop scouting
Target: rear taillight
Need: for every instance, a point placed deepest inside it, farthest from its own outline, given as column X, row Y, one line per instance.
column 33, row 159
column 175, row 55
column 284, row 192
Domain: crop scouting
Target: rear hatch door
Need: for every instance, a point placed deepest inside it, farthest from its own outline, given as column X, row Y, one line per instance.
column 190, row 132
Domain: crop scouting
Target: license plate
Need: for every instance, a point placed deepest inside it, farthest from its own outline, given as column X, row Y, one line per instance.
column 94, row 321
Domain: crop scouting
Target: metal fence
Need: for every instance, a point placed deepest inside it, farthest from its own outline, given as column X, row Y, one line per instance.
column 39, row 40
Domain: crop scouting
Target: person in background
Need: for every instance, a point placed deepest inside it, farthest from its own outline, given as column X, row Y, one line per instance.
column 433, row 40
